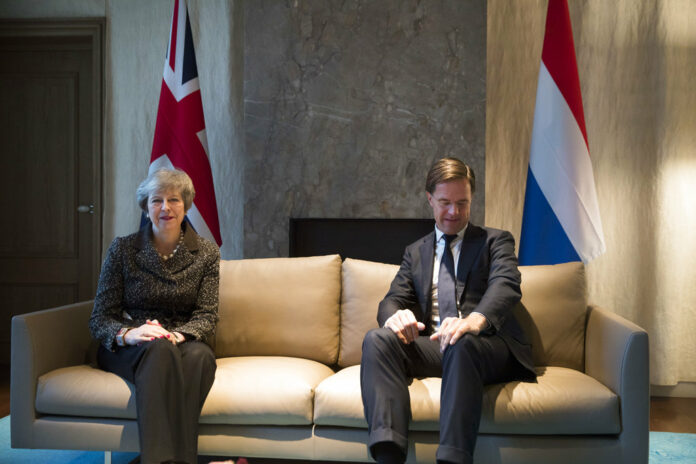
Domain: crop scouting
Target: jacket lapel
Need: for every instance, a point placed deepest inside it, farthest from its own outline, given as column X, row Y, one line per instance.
column 427, row 256
column 146, row 256
column 184, row 257
column 471, row 247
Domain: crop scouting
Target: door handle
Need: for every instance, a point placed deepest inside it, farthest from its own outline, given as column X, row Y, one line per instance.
column 85, row 209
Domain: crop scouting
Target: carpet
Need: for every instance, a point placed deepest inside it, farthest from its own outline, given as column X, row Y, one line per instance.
column 665, row 448
column 668, row 448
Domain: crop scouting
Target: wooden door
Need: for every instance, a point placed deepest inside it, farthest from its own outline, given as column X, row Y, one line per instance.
column 50, row 166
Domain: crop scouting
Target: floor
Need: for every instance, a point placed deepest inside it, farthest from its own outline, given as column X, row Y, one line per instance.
column 666, row 414
column 673, row 414
column 4, row 391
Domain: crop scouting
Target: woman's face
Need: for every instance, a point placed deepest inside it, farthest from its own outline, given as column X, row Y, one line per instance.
column 166, row 211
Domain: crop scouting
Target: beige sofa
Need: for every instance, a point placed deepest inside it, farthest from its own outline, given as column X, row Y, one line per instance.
column 287, row 385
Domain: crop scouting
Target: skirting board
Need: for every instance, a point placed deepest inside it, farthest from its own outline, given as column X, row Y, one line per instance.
column 680, row 390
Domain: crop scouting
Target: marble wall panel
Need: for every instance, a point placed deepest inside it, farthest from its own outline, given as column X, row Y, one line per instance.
column 348, row 103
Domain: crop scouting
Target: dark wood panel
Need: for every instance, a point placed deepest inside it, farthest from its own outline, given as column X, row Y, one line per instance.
column 24, row 271
column 38, row 163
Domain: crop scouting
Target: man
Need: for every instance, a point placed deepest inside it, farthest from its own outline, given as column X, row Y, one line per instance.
column 448, row 314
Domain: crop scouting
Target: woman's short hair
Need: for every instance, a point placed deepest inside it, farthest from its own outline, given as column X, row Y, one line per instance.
column 164, row 180
column 446, row 170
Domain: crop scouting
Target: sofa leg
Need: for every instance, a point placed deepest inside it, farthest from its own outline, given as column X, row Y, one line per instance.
column 107, row 457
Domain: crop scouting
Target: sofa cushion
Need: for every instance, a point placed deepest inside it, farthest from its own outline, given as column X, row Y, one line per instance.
column 280, row 307
column 553, row 313
column 364, row 285
column 563, row 401
column 85, row 391
column 247, row 390
column 263, row 390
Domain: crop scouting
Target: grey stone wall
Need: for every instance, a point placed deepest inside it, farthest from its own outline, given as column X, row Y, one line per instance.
column 348, row 103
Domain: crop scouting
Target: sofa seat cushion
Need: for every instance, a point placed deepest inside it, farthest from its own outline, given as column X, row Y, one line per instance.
column 247, row 390
column 264, row 390
column 563, row 401
column 85, row 391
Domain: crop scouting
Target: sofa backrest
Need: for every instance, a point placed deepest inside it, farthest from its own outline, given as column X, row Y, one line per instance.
column 280, row 307
column 364, row 285
column 552, row 311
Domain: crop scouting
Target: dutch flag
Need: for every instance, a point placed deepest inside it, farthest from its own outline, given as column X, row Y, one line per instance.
column 561, row 221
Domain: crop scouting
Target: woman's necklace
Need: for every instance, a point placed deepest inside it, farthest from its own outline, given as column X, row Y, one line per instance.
column 171, row 255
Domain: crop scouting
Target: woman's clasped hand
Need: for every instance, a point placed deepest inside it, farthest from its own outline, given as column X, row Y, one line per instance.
column 149, row 331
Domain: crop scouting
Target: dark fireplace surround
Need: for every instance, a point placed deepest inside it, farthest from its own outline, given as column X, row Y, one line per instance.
column 381, row 240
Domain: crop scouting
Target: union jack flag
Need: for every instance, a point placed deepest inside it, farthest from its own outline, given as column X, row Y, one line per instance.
column 180, row 140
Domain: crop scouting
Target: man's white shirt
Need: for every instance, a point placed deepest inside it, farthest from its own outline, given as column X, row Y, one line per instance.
column 456, row 247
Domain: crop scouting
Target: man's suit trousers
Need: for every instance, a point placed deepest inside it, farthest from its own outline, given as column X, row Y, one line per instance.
column 171, row 384
column 388, row 367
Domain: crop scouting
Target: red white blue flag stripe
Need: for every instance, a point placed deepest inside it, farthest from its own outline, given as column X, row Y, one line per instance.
column 180, row 139
column 561, row 221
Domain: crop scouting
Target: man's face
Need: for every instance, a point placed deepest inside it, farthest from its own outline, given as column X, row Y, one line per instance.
column 451, row 203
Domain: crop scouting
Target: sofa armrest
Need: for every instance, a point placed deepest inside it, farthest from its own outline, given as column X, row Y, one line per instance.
column 41, row 342
column 616, row 354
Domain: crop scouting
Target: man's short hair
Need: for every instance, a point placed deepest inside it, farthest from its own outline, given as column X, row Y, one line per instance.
column 449, row 169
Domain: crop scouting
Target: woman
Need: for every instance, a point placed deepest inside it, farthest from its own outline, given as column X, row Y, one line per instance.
column 156, row 304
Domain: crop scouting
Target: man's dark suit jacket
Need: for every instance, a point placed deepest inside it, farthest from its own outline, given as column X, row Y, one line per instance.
column 488, row 282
